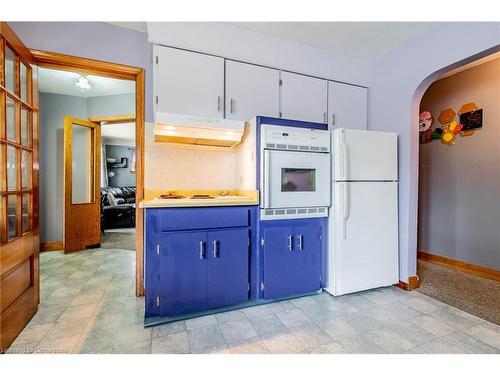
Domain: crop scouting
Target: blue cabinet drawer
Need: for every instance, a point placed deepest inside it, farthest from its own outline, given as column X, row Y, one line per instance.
column 194, row 218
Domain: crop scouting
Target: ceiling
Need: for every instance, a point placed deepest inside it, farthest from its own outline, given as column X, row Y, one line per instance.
column 119, row 134
column 62, row 82
column 365, row 40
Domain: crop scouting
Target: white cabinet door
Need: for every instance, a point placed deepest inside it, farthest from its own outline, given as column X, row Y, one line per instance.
column 303, row 98
column 251, row 91
column 189, row 83
column 347, row 106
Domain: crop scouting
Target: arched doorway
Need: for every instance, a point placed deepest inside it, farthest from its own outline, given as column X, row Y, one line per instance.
column 459, row 178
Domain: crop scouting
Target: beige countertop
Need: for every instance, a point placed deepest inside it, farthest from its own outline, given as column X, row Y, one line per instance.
column 232, row 200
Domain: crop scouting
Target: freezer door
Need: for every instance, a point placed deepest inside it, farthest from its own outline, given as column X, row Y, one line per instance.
column 363, row 250
column 362, row 155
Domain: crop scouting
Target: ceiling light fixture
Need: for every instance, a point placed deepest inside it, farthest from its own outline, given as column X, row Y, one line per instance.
column 83, row 82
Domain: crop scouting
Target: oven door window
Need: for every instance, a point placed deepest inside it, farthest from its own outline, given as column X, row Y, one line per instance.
column 298, row 179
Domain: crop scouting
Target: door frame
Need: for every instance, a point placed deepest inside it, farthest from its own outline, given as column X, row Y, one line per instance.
column 59, row 61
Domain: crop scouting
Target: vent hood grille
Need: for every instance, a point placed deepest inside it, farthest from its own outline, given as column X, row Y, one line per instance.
column 174, row 128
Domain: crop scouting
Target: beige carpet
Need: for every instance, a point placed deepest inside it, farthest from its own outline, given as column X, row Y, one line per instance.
column 476, row 295
column 122, row 241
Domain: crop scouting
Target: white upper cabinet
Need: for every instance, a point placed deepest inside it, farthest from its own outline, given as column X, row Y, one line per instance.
column 251, row 91
column 189, row 83
column 347, row 106
column 303, row 98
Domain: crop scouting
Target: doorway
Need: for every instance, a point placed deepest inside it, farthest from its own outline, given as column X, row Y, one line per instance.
column 459, row 177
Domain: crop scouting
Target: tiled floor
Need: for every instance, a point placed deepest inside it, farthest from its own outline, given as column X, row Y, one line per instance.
column 88, row 306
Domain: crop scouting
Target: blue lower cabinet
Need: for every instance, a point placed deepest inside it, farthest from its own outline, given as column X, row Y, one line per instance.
column 183, row 273
column 292, row 258
column 201, row 270
column 278, row 262
column 228, row 255
column 307, row 259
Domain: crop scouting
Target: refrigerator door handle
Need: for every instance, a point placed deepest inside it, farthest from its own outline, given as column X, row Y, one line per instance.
column 345, row 208
column 345, row 157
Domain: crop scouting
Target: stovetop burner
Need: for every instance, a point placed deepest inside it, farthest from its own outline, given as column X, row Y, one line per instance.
column 171, row 196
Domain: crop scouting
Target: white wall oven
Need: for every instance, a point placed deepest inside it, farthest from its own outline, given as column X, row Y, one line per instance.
column 295, row 172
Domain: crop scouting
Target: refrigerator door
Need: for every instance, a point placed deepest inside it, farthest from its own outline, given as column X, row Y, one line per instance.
column 363, row 250
column 363, row 155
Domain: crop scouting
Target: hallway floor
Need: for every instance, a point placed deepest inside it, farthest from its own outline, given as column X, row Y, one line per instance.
column 88, row 306
column 474, row 294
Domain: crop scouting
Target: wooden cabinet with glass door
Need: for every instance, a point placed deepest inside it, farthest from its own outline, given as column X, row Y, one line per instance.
column 19, row 292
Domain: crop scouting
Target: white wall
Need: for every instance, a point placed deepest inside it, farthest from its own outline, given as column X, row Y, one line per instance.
column 396, row 87
column 170, row 166
column 238, row 44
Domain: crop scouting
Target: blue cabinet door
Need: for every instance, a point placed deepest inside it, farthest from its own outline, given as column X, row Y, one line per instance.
column 228, row 253
column 278, row 262
column 307, row 259
column 183, row 273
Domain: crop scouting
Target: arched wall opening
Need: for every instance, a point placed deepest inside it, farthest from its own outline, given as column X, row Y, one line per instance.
column 414, row 133
column 397, row 84
column 458, row 182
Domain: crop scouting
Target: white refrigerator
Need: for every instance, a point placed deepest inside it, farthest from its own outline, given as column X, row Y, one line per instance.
column 363, row 220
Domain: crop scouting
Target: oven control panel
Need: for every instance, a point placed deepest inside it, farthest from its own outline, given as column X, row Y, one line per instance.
column 294, row 139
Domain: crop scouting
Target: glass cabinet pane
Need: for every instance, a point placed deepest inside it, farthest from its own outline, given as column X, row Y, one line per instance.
column 10, row 59
column 82, row 164
column 24, row 127
column 11, row 119
column 12, row 168
column 11, row 216
column 24, row 82
column 26, row 213
column 25, row 165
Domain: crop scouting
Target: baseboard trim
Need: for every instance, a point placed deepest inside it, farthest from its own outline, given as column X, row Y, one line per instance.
column 412, row 283
column 471, row 268
column 51, row 246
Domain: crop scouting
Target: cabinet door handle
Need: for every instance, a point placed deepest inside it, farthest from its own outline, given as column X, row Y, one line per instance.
column 218, row 103
column 299, row 237
column 290, row 242
column 333, row 118
column 231, row 105
column 202, row 249
column 215, row 248
column 325, row 120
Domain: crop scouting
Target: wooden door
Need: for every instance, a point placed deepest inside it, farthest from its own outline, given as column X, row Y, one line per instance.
column 189, row 83
column 19, row 236
column 303, row 98
column 251, row 91
column 82, row 207
column 347, row 106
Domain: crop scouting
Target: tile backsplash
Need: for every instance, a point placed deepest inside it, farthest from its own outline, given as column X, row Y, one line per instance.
column 170, row 166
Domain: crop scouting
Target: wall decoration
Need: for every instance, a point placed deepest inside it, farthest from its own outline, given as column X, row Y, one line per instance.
column 472, row 120
column 446, row 116
column 425, row 127
column 467, row 107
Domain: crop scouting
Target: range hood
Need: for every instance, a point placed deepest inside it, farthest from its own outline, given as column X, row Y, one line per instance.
column 176, row 128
